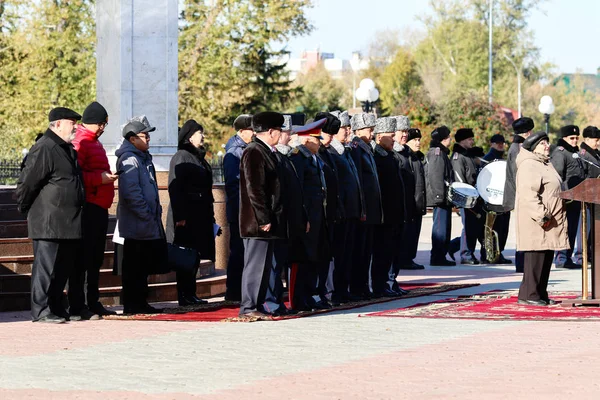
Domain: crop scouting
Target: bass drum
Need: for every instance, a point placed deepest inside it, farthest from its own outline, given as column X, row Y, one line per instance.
column 490, row 182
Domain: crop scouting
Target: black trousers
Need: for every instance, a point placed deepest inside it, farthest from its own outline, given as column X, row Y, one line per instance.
column 344, row 235
column 473, row 220
column 85, row 277
column 235, row 264
column 386, row 239
column 186, row 282
column 440, row 233
column 259, row 261
column 135, row 271
column 363, row 251
column 53, row 262
column 409, row 243
column 501, row 226
column 536, row 274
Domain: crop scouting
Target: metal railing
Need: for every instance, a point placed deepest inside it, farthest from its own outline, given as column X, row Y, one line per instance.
column 9, row 171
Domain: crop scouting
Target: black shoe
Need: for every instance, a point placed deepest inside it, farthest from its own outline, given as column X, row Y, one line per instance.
column 572, row 265
column 198, row 300
column 339, row 299
column 442, row 263
column 99, row 309
column 412, row 266
column 503, row 260
column 85, row 315
column 144, row 309
column 532, row 302
column 322, row 305
column 51, row 319
column 519, row 270
column 469, row 261
column 399, row 291
column 353, row 298
column 550, row 302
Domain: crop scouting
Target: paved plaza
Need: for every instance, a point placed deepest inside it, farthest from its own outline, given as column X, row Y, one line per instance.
column 332, row 356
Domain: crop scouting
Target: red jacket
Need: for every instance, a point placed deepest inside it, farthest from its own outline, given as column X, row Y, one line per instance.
column 93, row 162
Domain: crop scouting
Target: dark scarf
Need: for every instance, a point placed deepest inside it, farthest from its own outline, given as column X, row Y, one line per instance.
column 567, row 146
column 518, row 139
column 200, row 152
column 437, row 144
column 588, row 149
column 457, row 148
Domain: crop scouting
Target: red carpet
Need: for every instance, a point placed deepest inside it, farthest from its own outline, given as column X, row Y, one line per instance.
column 228, row 311
column 495, row 305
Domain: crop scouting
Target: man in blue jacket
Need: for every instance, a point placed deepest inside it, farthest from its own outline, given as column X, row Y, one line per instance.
column 231, row 168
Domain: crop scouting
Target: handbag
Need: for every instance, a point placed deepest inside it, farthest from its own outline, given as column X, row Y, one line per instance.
column 182, row 259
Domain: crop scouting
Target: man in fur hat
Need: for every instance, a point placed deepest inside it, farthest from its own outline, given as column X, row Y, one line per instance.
column 362, row 154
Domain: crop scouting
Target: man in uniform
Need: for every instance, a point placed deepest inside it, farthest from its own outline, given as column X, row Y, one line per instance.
column 362, row 154
column 502, row 221
column 465, row 170
column 262, row 221
column 416, row 186
column 439, row 174
column 50, row 191
column 572, row 173
column 522, row 128
column 99, row 192
column 231, row 170
column 387, row 236
column 309, row 169
column 351, row 199
column 588, row 151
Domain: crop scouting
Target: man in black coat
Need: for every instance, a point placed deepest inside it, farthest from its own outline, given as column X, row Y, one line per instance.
column 439, row 175
column 262, row 218
column 387, row 236
column 414, row 184
column 465, row 170
column 352, row 204
column 231, row 171
column 502, row 221
column 309, row 169
column 50, row 190
column 522, row 128
column 362, row 154
column 572, row 173
column 588, row 151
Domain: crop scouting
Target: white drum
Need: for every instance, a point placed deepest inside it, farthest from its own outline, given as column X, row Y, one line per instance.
column 462, row 195
column 490, row 182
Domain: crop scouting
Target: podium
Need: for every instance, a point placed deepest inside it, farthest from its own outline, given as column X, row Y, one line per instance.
column 588, row 193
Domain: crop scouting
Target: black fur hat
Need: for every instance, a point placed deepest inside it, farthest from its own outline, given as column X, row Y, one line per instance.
column 264, row 121
column 462, row 134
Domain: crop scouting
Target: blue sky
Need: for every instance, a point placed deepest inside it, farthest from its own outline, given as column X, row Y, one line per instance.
column 567, row 31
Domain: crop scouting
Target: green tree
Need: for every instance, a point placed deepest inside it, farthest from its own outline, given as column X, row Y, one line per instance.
column 318, row 91
column 398, row 79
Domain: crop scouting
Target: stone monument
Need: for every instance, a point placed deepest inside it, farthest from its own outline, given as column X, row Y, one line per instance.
column 136, row 60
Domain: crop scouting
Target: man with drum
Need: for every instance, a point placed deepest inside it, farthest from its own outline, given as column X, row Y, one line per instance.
column 522, row 128
column 572, row 174
column 502, row 222
column 439, row 175
column 466, row 170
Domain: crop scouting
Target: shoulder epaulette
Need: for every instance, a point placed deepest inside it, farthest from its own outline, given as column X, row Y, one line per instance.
column 582, row 151
column 561, row 148
column 437, row 151
column 455, row 156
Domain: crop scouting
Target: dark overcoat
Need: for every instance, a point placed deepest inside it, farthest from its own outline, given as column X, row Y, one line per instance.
column 260, row 193
column 418, row 170
column 569, row 169
column 334, row 209
column 50, row 190
column 591, row 155
column 508, row 201
column 465, row 168
column 350, row 192
column 439, row 174
column 362, row 155
column 392, row 186
column 402, row 155
column 310, row 173
column 190, row 192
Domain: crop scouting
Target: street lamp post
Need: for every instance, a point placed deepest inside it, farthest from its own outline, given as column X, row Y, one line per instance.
column 518, row 82
column 367, row 94
column 546, row 107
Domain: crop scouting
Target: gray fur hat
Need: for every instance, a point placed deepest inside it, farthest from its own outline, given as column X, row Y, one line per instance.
column 385, row 125
column 402, row 123
column 287, row 123
column 343, row 117
column 362, row 120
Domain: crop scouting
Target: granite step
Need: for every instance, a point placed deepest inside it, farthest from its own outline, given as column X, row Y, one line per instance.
column 24, row 246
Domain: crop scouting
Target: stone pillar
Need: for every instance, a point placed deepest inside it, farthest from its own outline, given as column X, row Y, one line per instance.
column 136, row 59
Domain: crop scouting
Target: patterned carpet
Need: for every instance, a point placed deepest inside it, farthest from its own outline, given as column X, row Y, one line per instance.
column 226, row 311
column 495, row 305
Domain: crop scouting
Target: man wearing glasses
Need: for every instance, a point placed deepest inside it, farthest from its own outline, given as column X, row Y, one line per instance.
column 98, row 181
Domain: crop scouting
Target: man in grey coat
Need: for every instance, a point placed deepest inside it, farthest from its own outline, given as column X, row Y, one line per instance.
column 139, row 214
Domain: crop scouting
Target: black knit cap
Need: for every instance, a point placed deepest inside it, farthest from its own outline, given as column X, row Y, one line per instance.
column 264, row 121
column 187, row 130
column 413, row 133
column 497, row 138
column 591, row 132
column 333, row 124
column 440, row 133
column 568, row 130
column 523, row 125
column 242, row 122
column 462, row 134
column 532, row 141
column 95, row 113
column 62, row 113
